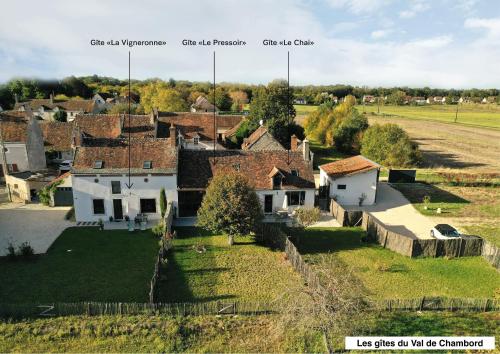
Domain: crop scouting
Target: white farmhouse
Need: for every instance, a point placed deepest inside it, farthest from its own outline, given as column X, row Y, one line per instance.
column 283, row 180
column 351, row 181
column 100, row 178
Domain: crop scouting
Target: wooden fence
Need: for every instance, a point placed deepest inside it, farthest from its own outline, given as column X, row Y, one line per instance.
column 438, row 304
column 465, row 246
column 119, row 308
column 300, row 266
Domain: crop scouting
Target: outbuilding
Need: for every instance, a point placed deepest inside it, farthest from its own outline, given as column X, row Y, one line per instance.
column 351, row 181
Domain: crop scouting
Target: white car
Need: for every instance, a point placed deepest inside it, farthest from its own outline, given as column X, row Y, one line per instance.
column 65, row 166
column 444, row 232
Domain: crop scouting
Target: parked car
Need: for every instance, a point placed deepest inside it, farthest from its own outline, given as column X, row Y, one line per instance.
column 444, row 232
column 65, row 166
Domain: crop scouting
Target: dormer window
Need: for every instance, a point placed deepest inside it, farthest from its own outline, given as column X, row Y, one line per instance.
column 196, row 140
column 98, row 164
column 147, row 165
column 295, row 173
column 277, row 179
column 236, row 166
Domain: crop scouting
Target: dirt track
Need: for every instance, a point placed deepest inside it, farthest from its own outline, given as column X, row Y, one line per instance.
column 452, row 146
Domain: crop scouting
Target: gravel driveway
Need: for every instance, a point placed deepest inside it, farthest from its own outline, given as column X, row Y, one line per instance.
column 35, row 223
column 397, row 213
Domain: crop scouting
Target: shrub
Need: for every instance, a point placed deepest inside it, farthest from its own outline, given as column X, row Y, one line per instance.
column 60, row 116
column 11, row 251
column 26, row 250
column 159, row 229
column 389, row 145
column 163, row 202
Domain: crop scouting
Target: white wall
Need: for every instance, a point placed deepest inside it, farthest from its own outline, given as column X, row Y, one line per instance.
column 355, row 186
column 85, row 190
column 16, row 154
column 280, row 195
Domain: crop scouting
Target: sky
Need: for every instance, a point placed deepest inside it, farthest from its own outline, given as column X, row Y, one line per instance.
column 416, row 43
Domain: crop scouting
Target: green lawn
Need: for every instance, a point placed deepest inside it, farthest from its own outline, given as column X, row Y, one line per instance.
column 213, row 334
column 468, row 114
column 386, row 274
column 245, row 271
column 84, row 264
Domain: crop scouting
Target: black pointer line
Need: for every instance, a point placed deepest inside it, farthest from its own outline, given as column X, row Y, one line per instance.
column 129, row 185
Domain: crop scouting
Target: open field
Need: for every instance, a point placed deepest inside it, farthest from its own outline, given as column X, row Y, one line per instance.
column 219, row 334
column 387, row 275
column 83, row 264
column 451, row 146
column 245, row 271
column 483, row 115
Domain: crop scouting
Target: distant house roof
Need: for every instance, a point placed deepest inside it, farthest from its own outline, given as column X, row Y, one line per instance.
column 350, row 166
column 261, row 140
column 188, row 124
column 141, row 126
column 13, row 116
column 114, row 157
column 85, row 106
column 99, row 125
column 57, row 135
column 196, row 168
column 202, row 104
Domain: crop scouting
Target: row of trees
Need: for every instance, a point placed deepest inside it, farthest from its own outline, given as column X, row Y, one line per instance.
column 345, row 128
column 229, row 96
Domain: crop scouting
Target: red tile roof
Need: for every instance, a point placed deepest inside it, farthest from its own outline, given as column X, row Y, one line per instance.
column 86, row 106
column 115, row 157
column 141, row 126
column 349, row 166
column 107, row 126
column 14, row 131
column 196, row 168
column 57, row 135
column 190, row 123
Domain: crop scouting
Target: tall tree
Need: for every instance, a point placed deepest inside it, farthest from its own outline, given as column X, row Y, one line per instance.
column 273, row 105
column 230, row 206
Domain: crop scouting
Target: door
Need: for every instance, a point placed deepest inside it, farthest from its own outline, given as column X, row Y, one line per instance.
column 63, row 196
column 117, row 209
column 268, row 203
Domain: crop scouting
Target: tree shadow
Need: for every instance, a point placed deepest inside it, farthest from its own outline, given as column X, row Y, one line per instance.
column 316, row 241
column 415, row 193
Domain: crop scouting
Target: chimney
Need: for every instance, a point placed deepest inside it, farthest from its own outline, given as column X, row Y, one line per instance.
column 305, row 150
column 173, row 135
column 293, row 143
column 51, row 98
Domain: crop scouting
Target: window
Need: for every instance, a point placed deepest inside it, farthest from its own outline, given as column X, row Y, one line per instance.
column 196, row 141
column 295, row 173
column 277, row 181
column 98, row 206
column 236, row 167
column 296, row 198
column 341, row 186
column 116, row 187
column 98, row 164
column 147, row 164
column 148, row 205
column 13, row 167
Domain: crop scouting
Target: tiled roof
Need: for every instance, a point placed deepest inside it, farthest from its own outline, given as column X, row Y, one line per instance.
column 141, row 126
column 57, row 135
column 202, row 103
column 86, row 106
column 14, row 132
column 262, row 140
column 99, row 125
column 58, row 178
column 13, row 116
column 115, row 157
column 196, row 168
column 349, row 166
column 190, row 123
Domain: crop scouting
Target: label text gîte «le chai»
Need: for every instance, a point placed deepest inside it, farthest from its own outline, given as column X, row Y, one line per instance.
column 286, row 42
column 126, row 43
